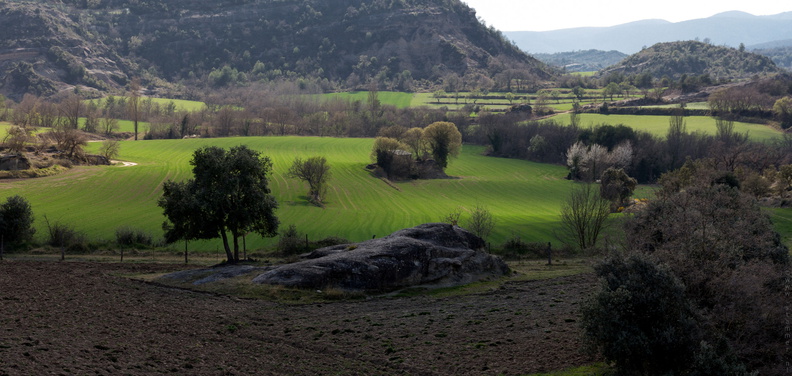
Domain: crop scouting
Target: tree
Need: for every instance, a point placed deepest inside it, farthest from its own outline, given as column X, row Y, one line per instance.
column 611, row 90
column 413, row 139
column 315, row 171
column 16, row 221
column 110, row 149
column 444, row 141
column 640, row 318
column 228, row 193
column 71, row 109
column 783, row 109
column 583, row 216
column 134, row 103
column 481, row 221
column 616, row 186
column 108, row 125
column 579, row 93
column 384, row 153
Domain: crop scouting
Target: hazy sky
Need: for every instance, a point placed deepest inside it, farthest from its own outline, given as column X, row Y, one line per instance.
column 542, row 15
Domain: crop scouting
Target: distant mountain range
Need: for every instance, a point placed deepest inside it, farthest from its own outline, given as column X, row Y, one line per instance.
column 729, row 28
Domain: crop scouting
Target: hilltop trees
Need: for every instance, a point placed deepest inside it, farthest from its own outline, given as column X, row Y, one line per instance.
column 229, row 193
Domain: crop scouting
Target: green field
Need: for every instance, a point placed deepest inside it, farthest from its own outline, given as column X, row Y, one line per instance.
column 523, row 196
column 658, row 125
column 181, row 104
column 392, row 98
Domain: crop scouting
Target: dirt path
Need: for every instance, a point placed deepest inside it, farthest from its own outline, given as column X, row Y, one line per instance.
column 84, row 318
column 123, row 163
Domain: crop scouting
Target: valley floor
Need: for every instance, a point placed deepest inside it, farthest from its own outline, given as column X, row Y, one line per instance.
column 87, row 318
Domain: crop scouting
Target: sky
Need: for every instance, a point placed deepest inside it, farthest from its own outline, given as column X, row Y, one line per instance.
column 544, row 15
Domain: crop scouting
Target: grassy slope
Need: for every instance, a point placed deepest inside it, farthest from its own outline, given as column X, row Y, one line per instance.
column 523, row 196
column 658, row 125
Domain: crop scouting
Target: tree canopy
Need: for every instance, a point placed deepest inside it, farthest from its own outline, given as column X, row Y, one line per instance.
column 16, row 221
column 229, row 193
column 444, row 141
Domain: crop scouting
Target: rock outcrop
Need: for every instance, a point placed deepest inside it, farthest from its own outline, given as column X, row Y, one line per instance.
column 431, row 254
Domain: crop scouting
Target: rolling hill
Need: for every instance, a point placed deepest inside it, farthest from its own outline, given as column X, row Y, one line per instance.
column 692, row 58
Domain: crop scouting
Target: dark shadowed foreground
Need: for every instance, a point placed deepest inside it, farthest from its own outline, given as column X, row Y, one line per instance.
column 83, row 318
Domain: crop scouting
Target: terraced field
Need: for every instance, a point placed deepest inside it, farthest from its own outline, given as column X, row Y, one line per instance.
column 524, row 197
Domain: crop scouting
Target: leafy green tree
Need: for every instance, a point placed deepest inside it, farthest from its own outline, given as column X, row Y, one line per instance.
column 16, row 221
column 229, row 193
column 783, row 109
column 579, row 92
column 384, row 154
column 316, row 172
column 444, row 141
column 640, row 318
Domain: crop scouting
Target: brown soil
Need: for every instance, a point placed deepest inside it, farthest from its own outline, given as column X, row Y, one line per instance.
column 87, row 318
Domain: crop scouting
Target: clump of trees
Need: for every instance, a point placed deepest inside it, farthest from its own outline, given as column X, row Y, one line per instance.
column 416, row 153
column 229, row 193
column 702, row 283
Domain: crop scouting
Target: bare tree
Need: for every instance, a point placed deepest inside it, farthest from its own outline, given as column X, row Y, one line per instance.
column 133, row 104
column 110, row 149
column 583, row 216
column 481, row 222
column 108, row 125
column 71, row 109
column 316, row 172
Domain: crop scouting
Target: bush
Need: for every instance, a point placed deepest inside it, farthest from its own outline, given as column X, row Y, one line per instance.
column 63, row 235
column 131, row 237
column 291, row 242
column 640, row 319
column 515, row 248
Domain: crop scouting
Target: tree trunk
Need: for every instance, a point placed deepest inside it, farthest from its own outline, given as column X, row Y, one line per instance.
column 229, row 255
column 236, row 245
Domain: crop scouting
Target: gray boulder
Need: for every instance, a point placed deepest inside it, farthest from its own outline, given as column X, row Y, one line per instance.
column 436, row 254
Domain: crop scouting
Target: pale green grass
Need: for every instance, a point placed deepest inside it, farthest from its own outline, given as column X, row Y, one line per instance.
column 181, row 104
column 598, row 369
column 691, row 106
column 524, row 197
column 782, row 220
column 392, row 98
column 658, row 125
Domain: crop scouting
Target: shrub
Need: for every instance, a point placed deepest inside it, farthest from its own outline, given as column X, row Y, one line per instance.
column 63, row 235
column 640, row 319
column 291, row 242
column 129, row 237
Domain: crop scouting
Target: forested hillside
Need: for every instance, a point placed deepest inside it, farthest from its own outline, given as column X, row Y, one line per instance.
column 690, row 58
column 396, row 44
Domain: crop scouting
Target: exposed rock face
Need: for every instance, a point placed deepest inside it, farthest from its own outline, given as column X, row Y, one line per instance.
column 434, row 253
